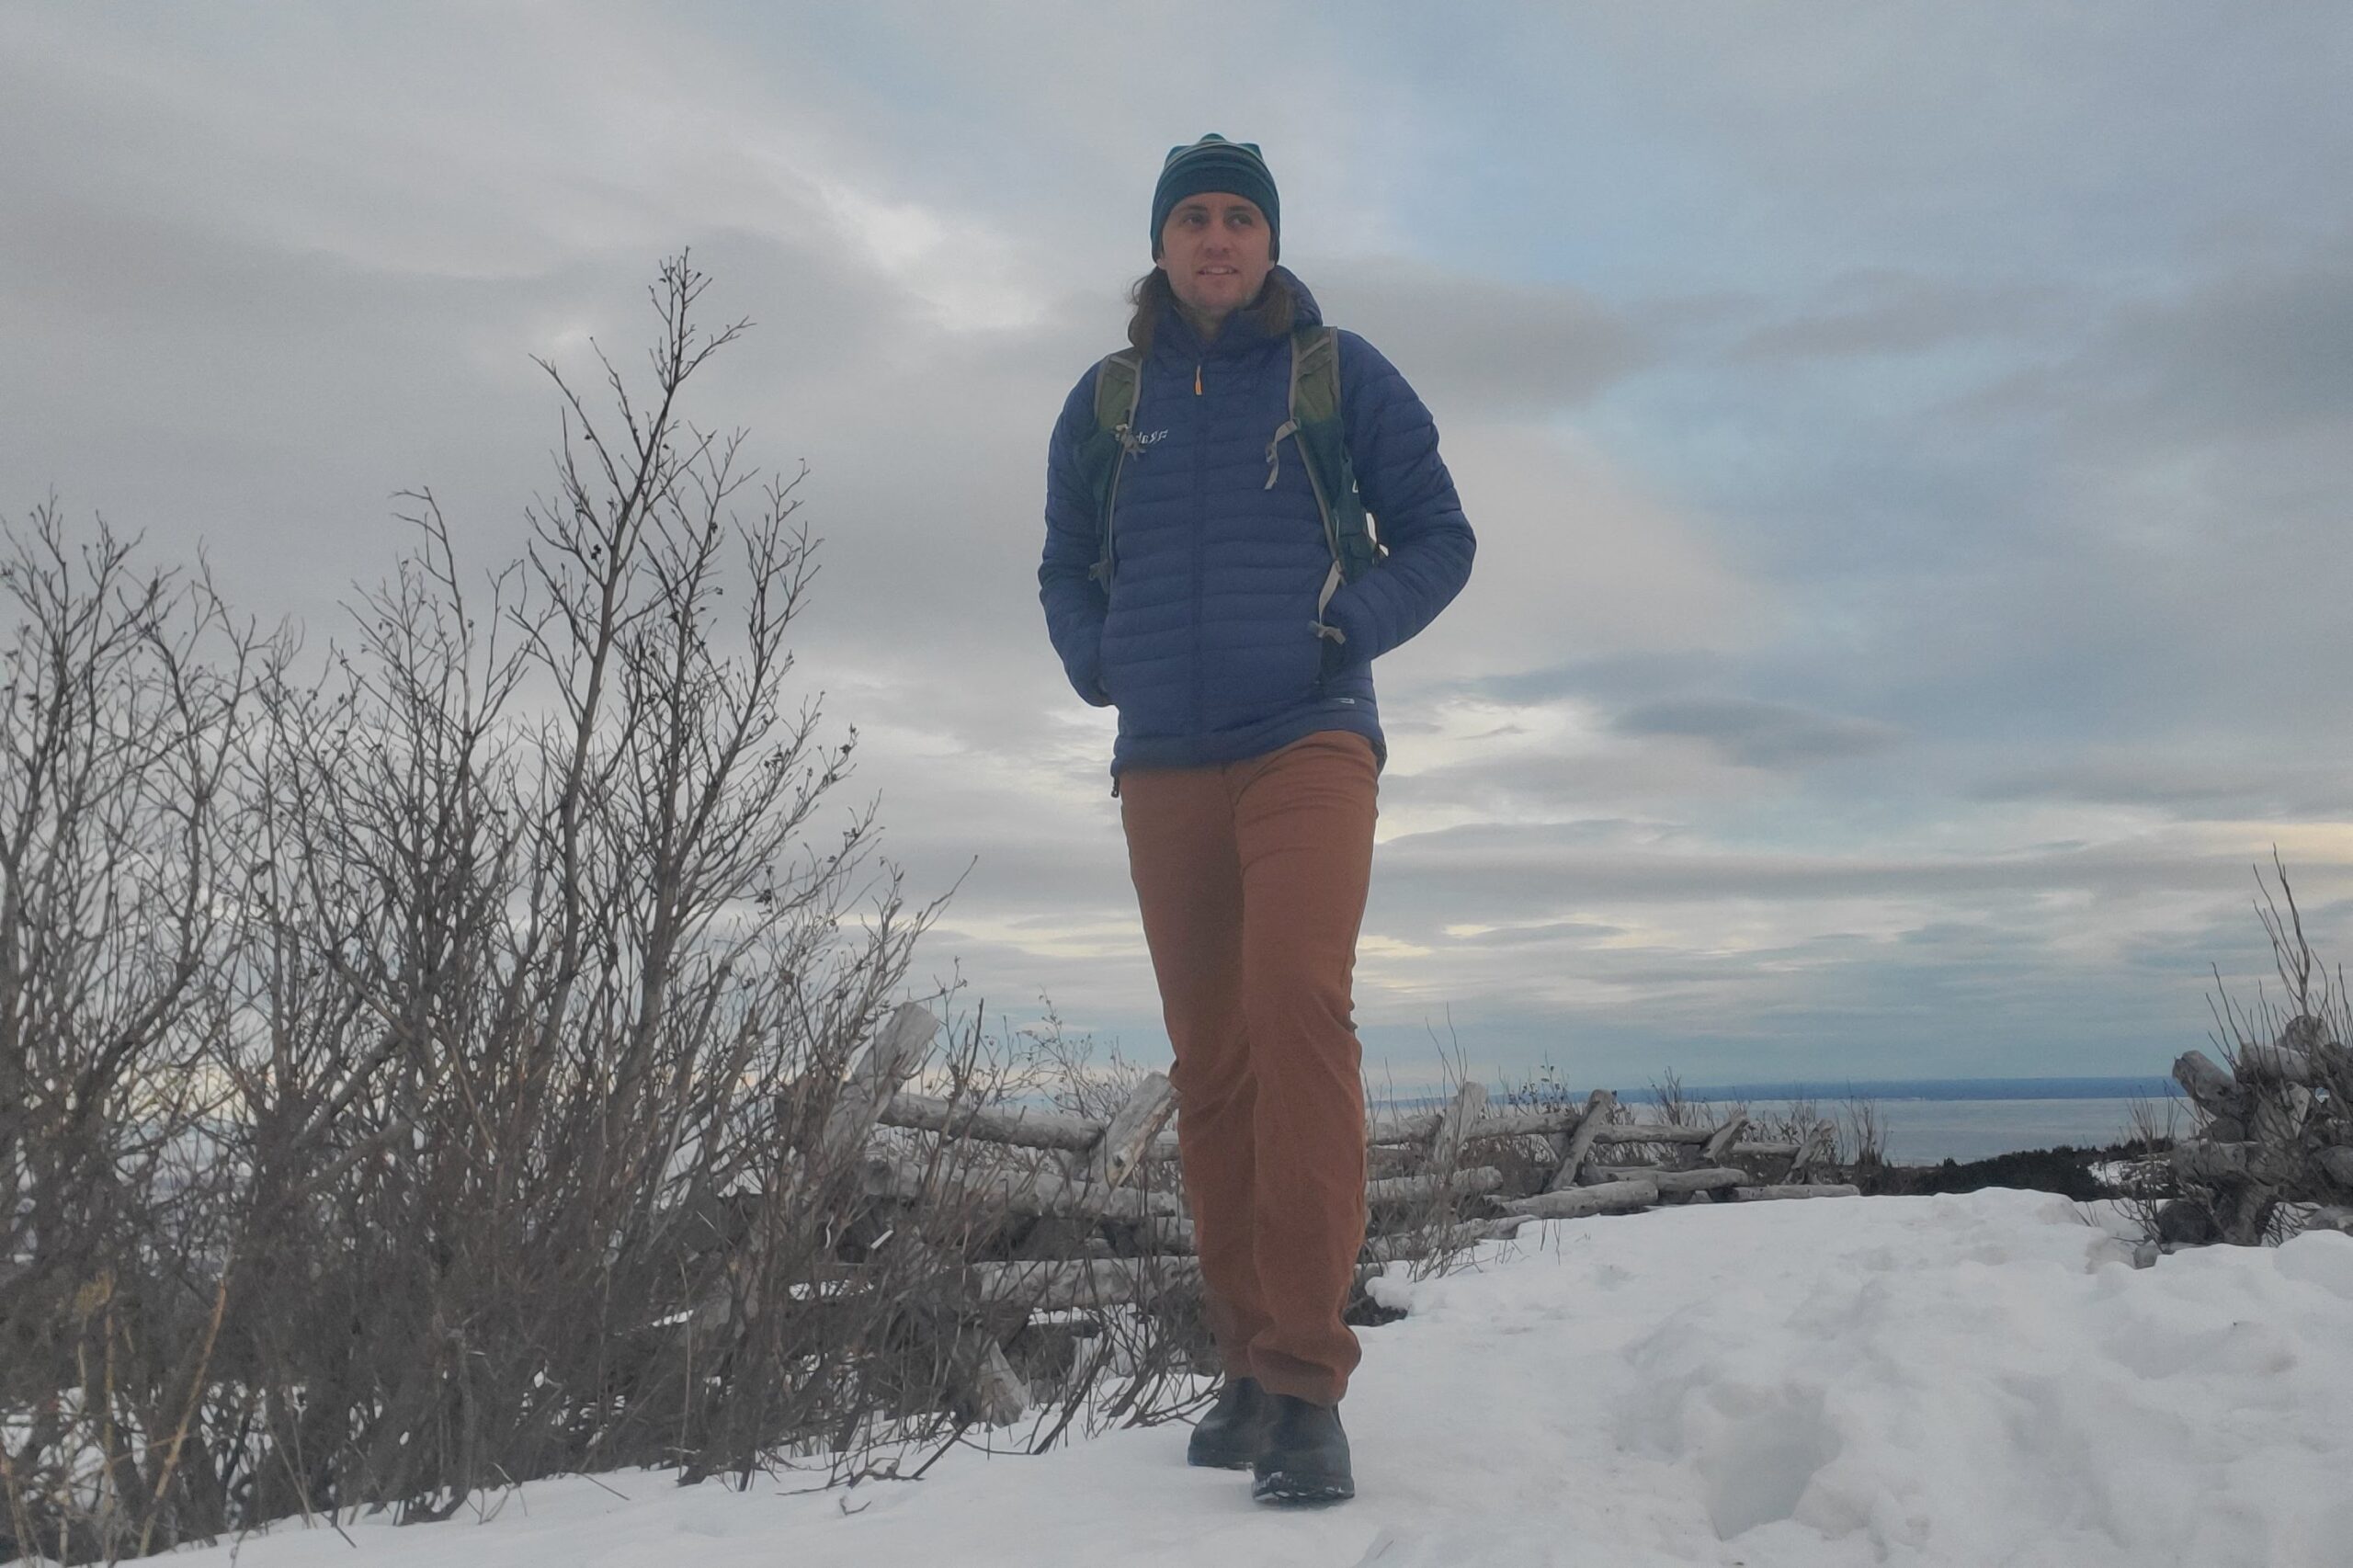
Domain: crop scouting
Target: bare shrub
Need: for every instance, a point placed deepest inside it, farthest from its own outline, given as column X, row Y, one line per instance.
column 2313, row 1004
column 2144, row 1183
column 415, row 1062
column 2272, row 1149
column 1863, row 1137
column 1791, row 1121
column 1073, row 1071
column 125, row 693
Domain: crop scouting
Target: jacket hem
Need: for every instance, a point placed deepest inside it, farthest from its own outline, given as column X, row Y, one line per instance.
column 1353, row 715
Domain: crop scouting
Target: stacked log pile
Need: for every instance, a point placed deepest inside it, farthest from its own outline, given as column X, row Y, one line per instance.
column 2276, row 1129
column 1090, row 1213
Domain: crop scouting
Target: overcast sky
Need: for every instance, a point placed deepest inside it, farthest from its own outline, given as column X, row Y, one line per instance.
column 1911, row 447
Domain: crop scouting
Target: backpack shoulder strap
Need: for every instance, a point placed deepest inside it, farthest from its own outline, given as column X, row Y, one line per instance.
column 1314, row 374
column 1118, row 378
column 1316, row 417
column 1119, row 382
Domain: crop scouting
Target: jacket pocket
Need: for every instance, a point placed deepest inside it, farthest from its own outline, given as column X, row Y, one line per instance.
column 1101, row 694
column 1103, row 667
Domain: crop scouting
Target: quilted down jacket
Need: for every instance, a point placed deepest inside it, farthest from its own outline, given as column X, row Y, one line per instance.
column 1206, row 638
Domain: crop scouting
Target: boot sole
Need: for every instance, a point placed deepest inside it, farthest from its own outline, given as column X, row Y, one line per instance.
column 1285, row 1490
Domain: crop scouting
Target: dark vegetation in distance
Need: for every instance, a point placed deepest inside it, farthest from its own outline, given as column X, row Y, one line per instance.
column 2066, row 1170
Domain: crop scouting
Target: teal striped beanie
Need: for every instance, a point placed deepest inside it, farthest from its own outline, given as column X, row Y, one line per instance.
column 1215, row 163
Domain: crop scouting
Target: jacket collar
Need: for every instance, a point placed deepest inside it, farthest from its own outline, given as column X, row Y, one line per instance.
column 1241, row 333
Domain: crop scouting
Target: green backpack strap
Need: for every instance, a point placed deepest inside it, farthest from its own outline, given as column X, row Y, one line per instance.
column 1118, row 381
column 1315, row 423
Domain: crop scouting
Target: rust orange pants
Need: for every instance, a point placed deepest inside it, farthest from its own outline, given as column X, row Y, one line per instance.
column 1250, row 877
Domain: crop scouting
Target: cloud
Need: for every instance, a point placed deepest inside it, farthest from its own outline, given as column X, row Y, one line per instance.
column 1896, row 312
column 1480, row 346
column 1908, row 451
column 2188, row 789
column 2251, row 352
column 1759, row 734
column 1578, row 561
column 1545, row 933
column 1610, row 678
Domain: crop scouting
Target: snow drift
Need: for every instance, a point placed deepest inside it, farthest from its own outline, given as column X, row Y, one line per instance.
column 1948, row 1381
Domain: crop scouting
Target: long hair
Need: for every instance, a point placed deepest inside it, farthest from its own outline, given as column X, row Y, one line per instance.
column 1273, row 310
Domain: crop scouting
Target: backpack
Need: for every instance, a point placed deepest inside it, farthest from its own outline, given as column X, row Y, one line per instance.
column 1314, row 425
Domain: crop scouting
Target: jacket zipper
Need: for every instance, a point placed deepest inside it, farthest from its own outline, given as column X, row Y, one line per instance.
column 1199, row 588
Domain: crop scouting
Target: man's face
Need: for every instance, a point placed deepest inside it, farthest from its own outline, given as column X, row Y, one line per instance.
column 1217, row 251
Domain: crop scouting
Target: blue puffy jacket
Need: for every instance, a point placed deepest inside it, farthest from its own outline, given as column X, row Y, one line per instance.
column 1206, row 639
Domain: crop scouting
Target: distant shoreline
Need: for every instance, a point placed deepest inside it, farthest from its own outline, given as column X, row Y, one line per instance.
column 1834, row 1091
column 1921, row 1122
column 2144, row 1087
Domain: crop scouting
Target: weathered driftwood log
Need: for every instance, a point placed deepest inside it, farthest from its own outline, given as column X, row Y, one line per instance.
column 1453, row 1238
column 897, row 1050
column 1579, row 1142
column 2247, row 1181
column 1133, row 1126
column 1745, row 1151
column 2186, row 1223
column 2305, row 1054
column 1527, row 1124
column 1713, row 1151
column 2250, row 1217
column 1022, row 1127
column 1651, row 1133
column 1705, row 1179
column 1392, row 1191
column 1815, row 1146
column 2286, row 1169
column 1062, row 1235
column 1020, row 1192
column 835, row 1149
column 1576, row 1202
column 1096, row 1281
column 1559, row 1125
column 2201, row 1160
column 1418, row 1128
column 2304, row 1032
column 2278, row 1118
column 1786, row 1189
column 999, row 1397
column 2260, row 1063
column 2213, row 1090
column 1454, row 1128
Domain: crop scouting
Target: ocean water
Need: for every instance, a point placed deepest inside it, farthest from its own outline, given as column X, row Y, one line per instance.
column 1972, row 1120
column 1924, row 1121
column 1924, row 1131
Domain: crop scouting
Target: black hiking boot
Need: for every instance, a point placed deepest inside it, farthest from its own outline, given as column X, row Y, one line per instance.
column 1230, row 1435
column 1306, row 1456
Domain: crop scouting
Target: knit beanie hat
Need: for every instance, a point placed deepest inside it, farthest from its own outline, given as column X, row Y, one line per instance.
column 1215, row 163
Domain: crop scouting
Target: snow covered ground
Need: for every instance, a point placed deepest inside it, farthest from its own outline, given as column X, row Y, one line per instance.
column 1971, row 1381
